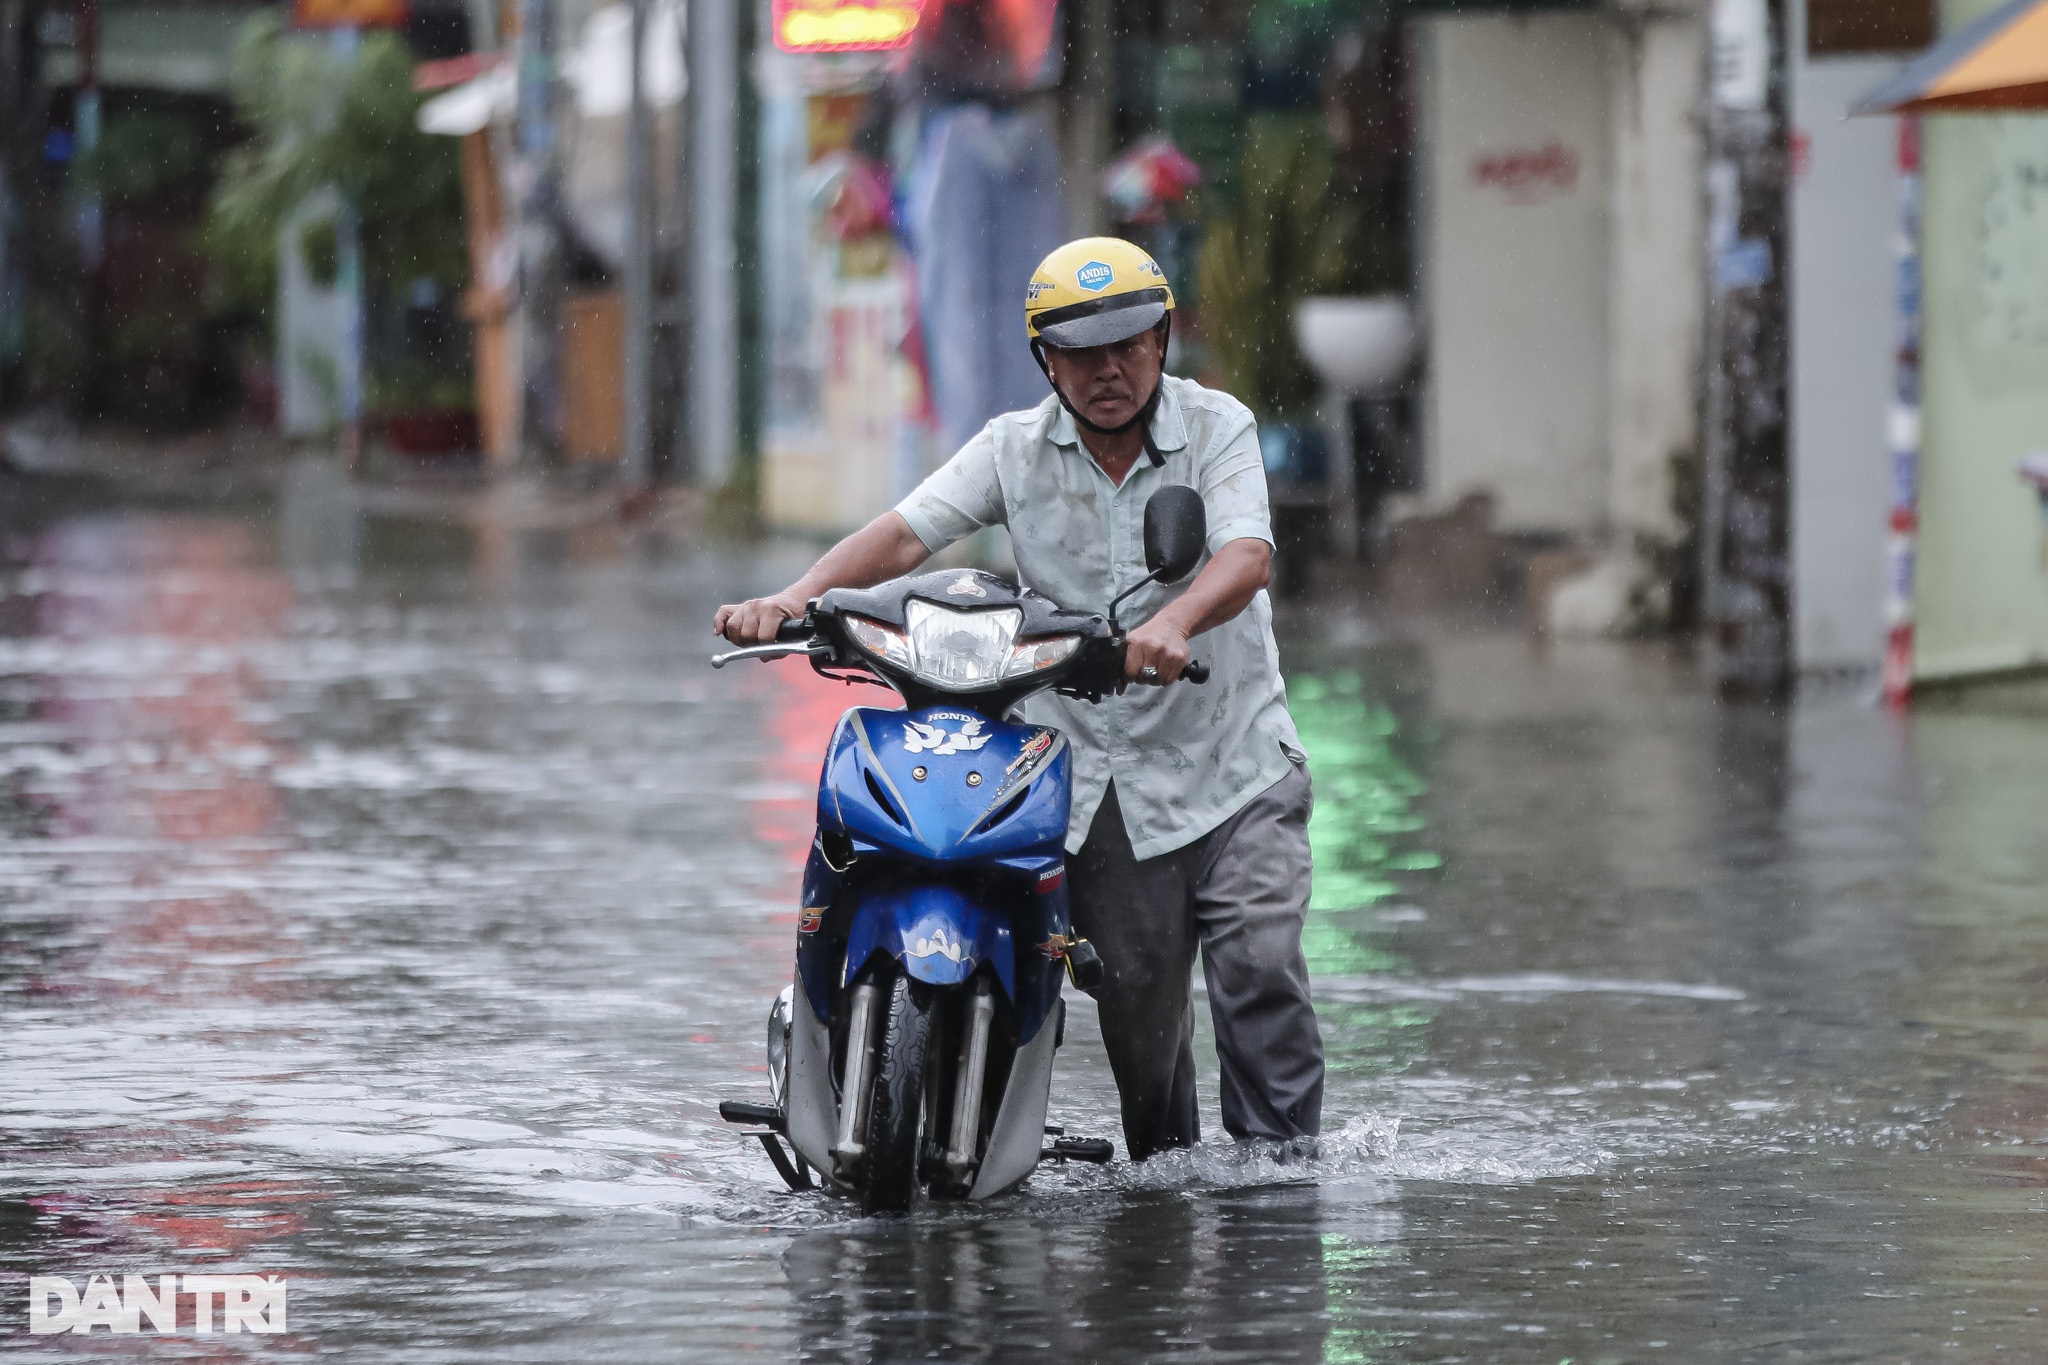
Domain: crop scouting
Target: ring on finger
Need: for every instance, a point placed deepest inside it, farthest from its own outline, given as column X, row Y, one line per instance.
column 1148, row 671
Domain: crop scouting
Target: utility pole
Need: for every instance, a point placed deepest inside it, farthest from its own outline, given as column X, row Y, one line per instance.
column 673, row 313
column 712, row 284
column 88, row 220
column 1091, row 96
column 348, row 284
column 1745, row 532
column 636, row 467
column 19, row 128
column 85, row 135
column 537, row 180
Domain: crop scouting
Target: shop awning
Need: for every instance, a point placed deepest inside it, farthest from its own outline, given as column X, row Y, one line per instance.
column 2000, row 62
column 470, row 106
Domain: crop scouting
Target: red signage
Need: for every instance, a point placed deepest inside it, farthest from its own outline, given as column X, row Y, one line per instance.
column 1529, row 175
column 350, row 13
column 845, row 25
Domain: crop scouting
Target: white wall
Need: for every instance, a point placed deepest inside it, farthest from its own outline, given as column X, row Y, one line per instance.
column 1845, row 217
column 1515, row 163
column 1656, row 301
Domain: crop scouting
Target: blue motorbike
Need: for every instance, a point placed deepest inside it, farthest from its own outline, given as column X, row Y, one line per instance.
column 913, row 1053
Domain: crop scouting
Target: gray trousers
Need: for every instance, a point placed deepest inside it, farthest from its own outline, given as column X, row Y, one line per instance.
column 1240, row 893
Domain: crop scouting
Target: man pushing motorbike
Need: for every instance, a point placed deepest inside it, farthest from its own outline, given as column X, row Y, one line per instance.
column 1190, row 805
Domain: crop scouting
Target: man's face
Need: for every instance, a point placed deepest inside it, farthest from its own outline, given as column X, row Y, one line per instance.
column 1108, row 384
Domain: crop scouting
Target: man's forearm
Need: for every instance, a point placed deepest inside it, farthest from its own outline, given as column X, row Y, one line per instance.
column 1225, row 587
column 883, row 549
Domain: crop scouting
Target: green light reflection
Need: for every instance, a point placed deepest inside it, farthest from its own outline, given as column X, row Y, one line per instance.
column 1361, row 832
column 1344, row 1261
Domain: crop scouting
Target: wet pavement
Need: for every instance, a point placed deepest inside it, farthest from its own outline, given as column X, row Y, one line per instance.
column 387, row 905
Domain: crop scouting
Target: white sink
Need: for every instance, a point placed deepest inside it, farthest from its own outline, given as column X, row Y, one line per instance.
column 1356, row 344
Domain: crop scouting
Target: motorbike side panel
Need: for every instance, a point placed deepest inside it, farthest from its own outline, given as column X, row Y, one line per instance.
column 938, row 932
column 1042, row 956
column 817, row 931
column 811, row 1110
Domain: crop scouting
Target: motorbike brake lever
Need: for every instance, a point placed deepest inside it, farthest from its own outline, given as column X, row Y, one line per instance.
column 812, row 647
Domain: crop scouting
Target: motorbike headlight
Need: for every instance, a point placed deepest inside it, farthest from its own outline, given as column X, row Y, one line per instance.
column 882, row 641
column 1035, row 656
column 960, row 651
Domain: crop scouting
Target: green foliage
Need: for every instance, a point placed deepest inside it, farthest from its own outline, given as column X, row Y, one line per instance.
column 1287, row 233
column 416, row 385
column 323, row 120
column 53, row 346
column 140, row 155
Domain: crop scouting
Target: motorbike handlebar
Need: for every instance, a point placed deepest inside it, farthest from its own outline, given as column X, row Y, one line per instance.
column 1195, row 672
column 794, row 631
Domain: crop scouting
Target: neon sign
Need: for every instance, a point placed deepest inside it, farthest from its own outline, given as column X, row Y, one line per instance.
column 845, row 25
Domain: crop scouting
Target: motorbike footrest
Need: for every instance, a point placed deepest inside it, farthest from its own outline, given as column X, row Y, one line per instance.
column 1096, row 1151
column 743, row 1111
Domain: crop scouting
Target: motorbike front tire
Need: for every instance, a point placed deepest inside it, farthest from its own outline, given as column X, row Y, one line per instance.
column 888, row 1178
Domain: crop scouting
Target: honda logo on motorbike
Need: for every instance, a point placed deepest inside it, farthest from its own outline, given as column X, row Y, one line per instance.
column 919, row 737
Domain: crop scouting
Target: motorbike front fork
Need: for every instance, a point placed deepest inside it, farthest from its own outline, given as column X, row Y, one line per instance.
column 970, row 1075
column 856, row 1082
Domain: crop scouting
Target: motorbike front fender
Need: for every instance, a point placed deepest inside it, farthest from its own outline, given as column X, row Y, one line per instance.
column 939, row 934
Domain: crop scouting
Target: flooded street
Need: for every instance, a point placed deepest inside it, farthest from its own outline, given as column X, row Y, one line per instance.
column 387, row 904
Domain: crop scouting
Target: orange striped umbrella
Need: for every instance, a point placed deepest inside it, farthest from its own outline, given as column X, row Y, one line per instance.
column 1998, row 62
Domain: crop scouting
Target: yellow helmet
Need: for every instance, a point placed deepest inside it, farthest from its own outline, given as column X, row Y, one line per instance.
column 1094, row 291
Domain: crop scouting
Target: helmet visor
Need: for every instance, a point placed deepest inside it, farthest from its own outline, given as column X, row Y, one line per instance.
column 1099, row 322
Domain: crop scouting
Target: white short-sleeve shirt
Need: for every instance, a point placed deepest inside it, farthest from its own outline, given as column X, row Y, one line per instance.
column 1185, row 758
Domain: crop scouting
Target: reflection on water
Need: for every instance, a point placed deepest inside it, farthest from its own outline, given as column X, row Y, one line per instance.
column 1154, row 1274
column 389, row 906
column 1365, row 794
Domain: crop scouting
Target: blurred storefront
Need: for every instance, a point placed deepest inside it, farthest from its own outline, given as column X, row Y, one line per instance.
column 1260, row 151
column 121, row 295
column 910, row 181
column 1520, row 188
column 843, row 398
column 138, row 113
column 1981, row 582
column 477, row 106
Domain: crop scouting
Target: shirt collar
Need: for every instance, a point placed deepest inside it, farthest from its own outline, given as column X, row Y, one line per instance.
column 1169, row 432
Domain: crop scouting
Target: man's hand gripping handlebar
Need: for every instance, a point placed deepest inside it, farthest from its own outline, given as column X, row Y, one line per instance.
column 794, row 636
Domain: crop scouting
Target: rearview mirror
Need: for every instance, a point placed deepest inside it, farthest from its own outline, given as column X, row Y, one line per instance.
column 1176, row 530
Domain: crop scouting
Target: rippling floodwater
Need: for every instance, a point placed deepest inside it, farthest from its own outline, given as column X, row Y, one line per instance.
column 387, row 905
